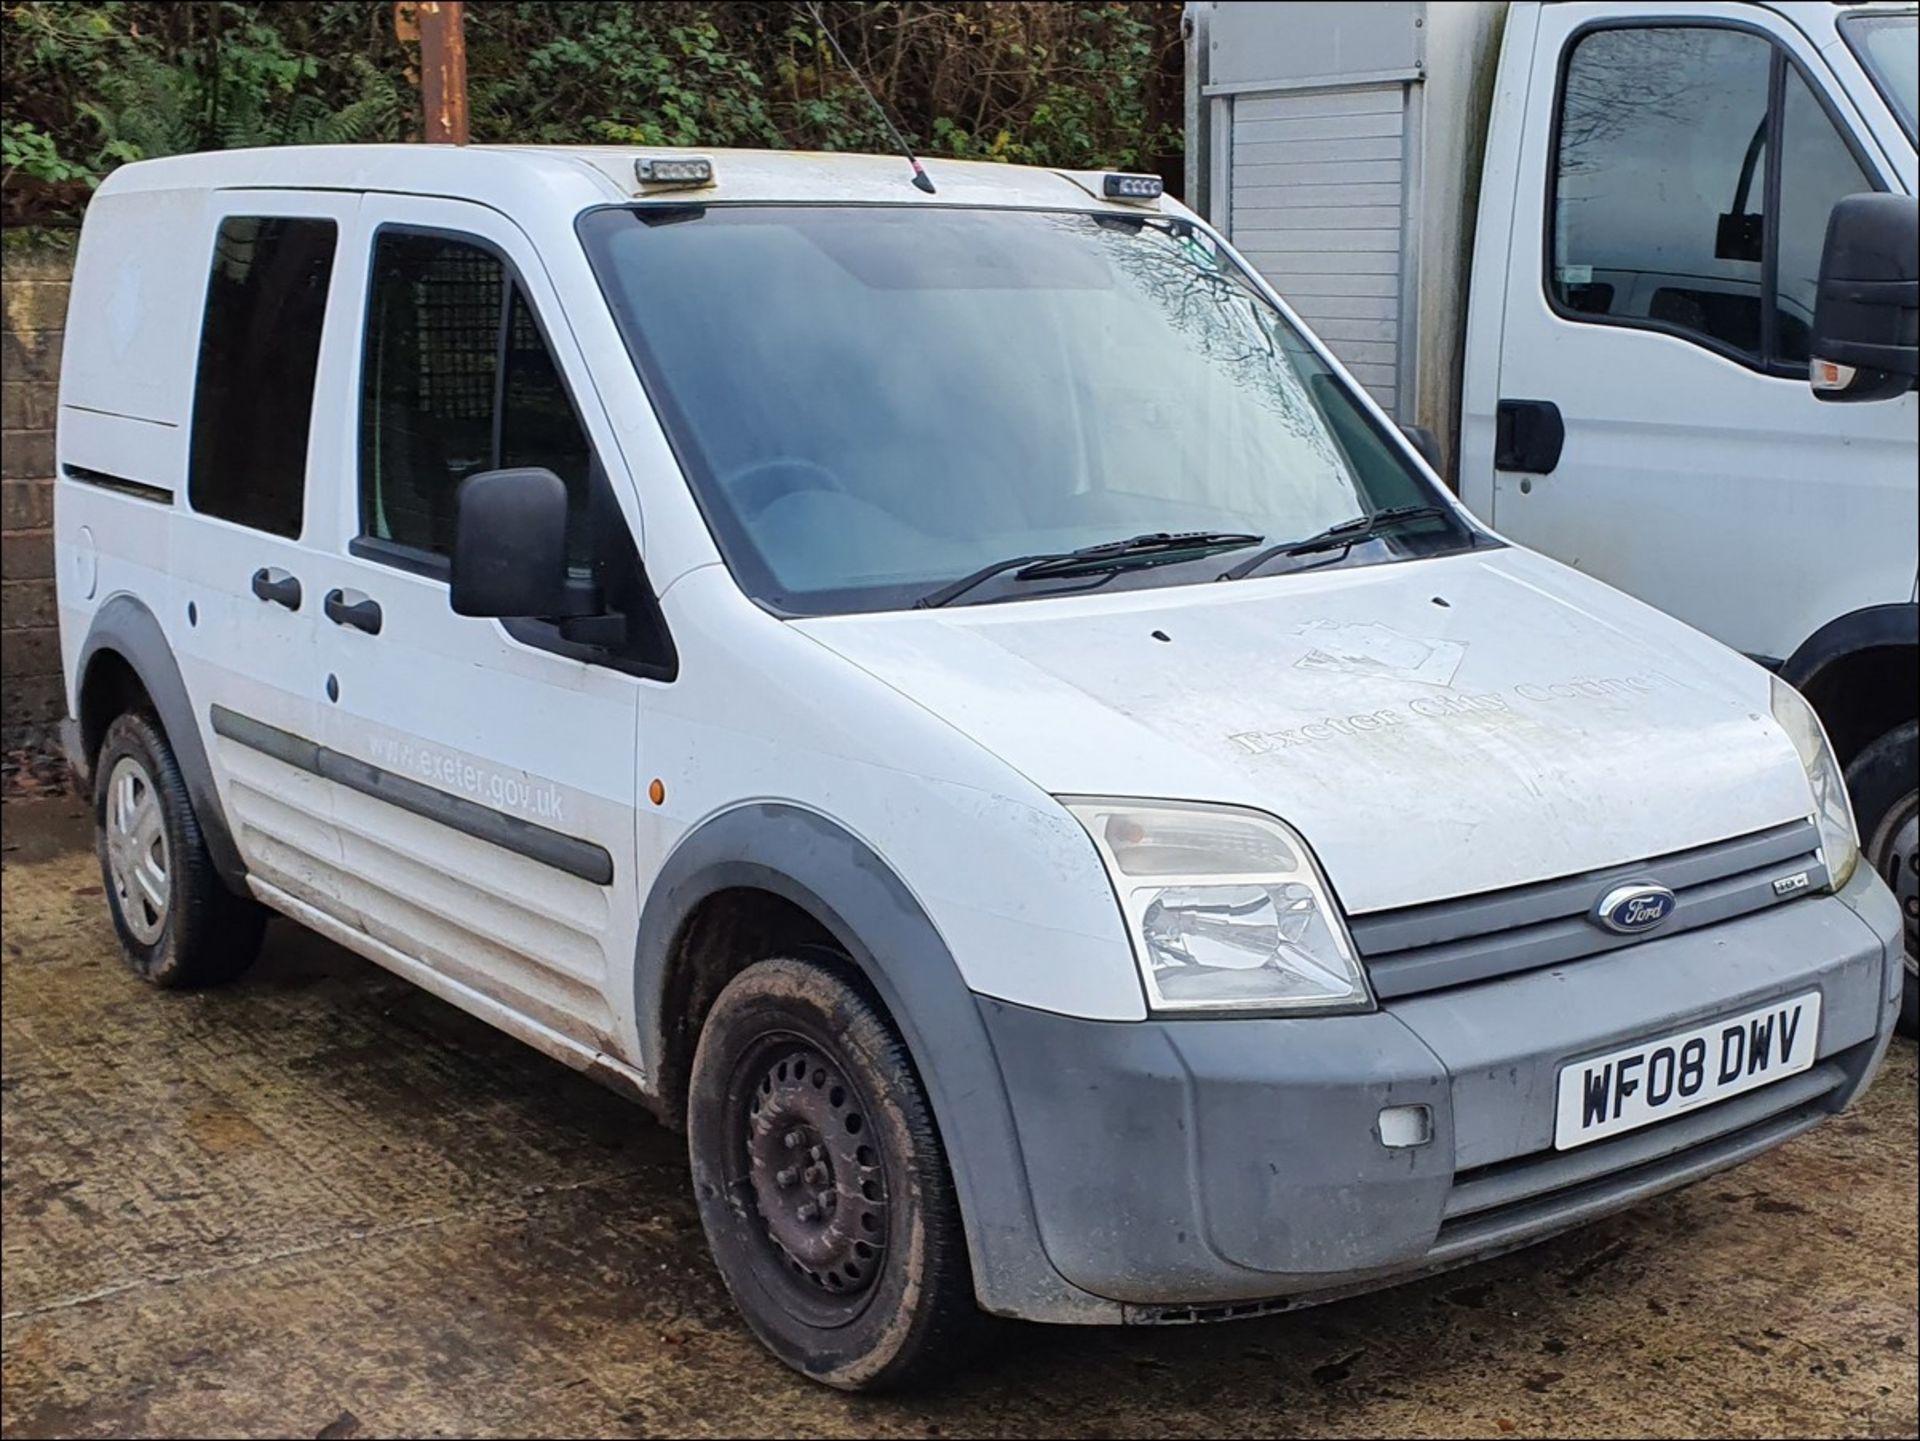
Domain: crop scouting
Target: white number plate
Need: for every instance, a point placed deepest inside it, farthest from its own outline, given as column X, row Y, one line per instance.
column 1656, row 1079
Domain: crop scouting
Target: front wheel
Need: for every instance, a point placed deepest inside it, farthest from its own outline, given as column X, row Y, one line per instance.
column 822, row 1183
column 1884, row 781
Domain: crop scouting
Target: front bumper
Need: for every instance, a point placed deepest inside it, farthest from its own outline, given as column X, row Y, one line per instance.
column 1187, row 1168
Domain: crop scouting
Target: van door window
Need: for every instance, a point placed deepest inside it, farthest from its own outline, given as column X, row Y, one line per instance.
column 259, row 351
column 537, row 424
column 1670, row 210
column 1816, row 170
column 1660, row 182
column 456, row 379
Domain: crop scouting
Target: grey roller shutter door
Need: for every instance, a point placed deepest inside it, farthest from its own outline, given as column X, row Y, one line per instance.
column 1317, row 206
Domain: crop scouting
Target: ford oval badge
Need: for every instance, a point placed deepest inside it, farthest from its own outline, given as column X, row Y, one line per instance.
column 1634, row 909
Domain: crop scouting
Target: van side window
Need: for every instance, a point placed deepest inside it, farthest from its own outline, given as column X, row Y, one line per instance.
column 1660, row 180
column 455, row 379
column 1670, row 210
column 259, row 351
column 1816, row 170
column 537, row 423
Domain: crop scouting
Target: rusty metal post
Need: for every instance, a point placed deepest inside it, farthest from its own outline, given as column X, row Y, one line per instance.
column 440, row 27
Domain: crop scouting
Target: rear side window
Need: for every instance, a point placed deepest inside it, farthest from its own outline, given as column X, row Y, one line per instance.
column 456, row 379
column 259, row 350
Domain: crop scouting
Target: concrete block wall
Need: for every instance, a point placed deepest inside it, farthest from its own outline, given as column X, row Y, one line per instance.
column 33, row 284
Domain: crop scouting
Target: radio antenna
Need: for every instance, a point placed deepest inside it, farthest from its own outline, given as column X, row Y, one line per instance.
column 921, row 180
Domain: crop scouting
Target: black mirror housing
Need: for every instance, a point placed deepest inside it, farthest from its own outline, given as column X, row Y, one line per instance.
column 510, row 545
column 1866, row 319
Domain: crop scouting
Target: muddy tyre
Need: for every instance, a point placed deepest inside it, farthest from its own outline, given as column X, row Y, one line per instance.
column 179, row 925
column 1884, row 781
column 823, row 1185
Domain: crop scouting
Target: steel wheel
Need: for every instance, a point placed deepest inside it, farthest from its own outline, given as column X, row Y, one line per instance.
column 821, row 1180
column 817, row 1178
column 137, row 857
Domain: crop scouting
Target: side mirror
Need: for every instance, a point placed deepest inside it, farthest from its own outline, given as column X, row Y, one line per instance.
column 1866, row 318
column 1424, row 442
column 510, row 545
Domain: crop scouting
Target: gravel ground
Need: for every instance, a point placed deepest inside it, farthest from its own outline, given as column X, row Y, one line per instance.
column 323, row 1203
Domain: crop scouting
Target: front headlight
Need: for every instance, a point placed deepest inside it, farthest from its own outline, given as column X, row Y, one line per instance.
column 1226, row 908
column 1832, row 811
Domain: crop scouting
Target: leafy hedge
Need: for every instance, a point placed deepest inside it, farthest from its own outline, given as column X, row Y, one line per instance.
column 88, row 86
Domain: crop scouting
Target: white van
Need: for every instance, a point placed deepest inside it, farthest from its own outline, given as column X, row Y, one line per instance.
column 1583, row 247
column 955, row 698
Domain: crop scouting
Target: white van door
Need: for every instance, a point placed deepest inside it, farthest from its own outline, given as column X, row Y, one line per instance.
column 1655, row 425
column 484, row 777
column 244, row 607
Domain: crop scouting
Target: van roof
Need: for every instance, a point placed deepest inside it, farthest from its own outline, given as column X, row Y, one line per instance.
column 580, row 176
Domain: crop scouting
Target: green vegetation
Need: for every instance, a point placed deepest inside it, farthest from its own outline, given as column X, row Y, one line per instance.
column 89, row 86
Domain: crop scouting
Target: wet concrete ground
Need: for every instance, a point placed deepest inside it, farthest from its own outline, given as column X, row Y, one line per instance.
column 324, row 1203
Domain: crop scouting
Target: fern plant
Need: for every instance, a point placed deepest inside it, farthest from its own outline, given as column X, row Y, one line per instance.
column 147, row 108
column 379, row 111
column 144, row 107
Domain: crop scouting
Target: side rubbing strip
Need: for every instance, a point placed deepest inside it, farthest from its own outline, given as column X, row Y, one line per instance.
column 563, row 852
column 567, row 853
column 268, row 740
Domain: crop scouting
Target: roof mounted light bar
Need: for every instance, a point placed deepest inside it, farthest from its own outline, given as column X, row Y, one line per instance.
column 1131, row 187
column 676, row 172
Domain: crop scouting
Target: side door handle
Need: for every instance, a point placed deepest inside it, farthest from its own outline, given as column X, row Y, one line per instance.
column 362, row 612
column 1528, row 435
column 272, row 583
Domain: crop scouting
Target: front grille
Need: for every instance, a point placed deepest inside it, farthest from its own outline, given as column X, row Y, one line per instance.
column 1499, row 933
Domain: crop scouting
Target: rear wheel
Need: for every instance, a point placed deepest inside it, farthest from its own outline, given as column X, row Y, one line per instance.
column 1884, row 781
column 179, row 925
column 822, row 1183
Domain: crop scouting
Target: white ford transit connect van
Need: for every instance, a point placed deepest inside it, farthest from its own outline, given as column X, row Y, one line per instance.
column 953, row 697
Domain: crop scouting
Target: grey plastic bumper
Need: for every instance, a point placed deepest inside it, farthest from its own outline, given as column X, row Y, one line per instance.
column 1186, row 1164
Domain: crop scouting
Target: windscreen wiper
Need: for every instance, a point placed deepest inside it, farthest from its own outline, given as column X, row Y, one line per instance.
column 1156, row 548
column 1337, row 537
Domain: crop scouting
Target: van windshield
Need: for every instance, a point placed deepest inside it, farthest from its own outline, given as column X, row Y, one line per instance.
column 871, row 402
column 1889, row 49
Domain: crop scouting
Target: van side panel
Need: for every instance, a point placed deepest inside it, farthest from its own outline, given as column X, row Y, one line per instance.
column 138, row 285
column 126, row 384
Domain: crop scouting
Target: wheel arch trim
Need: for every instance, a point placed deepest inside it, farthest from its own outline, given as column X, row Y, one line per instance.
column 123, row 626
column 1872, row 627
column 814, row 863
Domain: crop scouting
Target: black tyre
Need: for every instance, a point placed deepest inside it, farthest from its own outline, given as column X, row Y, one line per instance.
column 1884, row 781
column 823, row 1185
column 179, row 925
